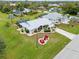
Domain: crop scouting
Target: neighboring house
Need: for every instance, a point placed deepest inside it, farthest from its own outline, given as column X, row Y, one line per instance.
column 17, row 12
column 41, row 8
column 12, row 4
column 55, row 9
column 55, row 5
column 61, row 4
column 26, row 10
column 57, row 18
column 74, row 18
column 52, row 9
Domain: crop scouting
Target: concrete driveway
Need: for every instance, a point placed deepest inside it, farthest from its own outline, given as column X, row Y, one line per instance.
column 65, row 33
column 71, row 51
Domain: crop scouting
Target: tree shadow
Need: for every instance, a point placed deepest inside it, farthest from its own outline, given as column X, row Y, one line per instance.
column 2, row 48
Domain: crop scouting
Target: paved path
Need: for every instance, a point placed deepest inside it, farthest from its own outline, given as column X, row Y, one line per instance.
column 71, row 51
column 65, row 33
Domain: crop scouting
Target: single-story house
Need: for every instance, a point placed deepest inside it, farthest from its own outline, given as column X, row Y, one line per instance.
column 74, row 18
column 35, row 24
column 12, row 4
column 49, row 19
column 55, row 9
column 56, row 18
column 41, row 8
column 61, row 4
column 17, row 12
column 26, row 10
column 55, row 5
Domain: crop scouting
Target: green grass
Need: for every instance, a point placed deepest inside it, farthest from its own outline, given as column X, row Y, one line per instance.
column 69, row 28
column 32, row 17
column 24, row 47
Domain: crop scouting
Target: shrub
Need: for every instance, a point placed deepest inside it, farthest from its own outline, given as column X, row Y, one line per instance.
column 71, row 11
column 35, row 30
column 45, row 30
column 26, row 30
column 17, row 23
column 7, row 24
column 45, row 26
column 2, row 48
column 40, row 28
column 31, row 13
column 22, row 30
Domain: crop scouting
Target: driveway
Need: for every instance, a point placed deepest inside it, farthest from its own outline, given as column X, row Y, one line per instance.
column 65, row 33
column 71, row 51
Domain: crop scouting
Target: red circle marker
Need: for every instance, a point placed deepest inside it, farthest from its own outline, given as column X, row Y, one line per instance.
column 42, row 41
column 46, row 37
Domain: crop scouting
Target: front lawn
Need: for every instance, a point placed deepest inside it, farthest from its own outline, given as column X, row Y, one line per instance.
column 23, row 47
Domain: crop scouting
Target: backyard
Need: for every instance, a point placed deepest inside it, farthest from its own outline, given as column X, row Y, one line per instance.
column 23, row 47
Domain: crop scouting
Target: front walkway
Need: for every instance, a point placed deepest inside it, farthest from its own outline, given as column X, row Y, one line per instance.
column 71, row 51
column 65, row 33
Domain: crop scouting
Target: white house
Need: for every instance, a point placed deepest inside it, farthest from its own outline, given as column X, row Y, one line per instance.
column 12, row 4
column 74, row 18
column 56, row 5
column 55, row 9
column 61, row 4
column 57, row 18
column 17, row 12
column 35, row 24
column 26, row 10
column 50, row 19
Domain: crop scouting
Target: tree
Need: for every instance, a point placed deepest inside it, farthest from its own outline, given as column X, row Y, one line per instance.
column 6, row 8
column 68, row 6
column 1, row 6
column 2, row 48
column 72, row 11
column 7, row 24
column 20, row 6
